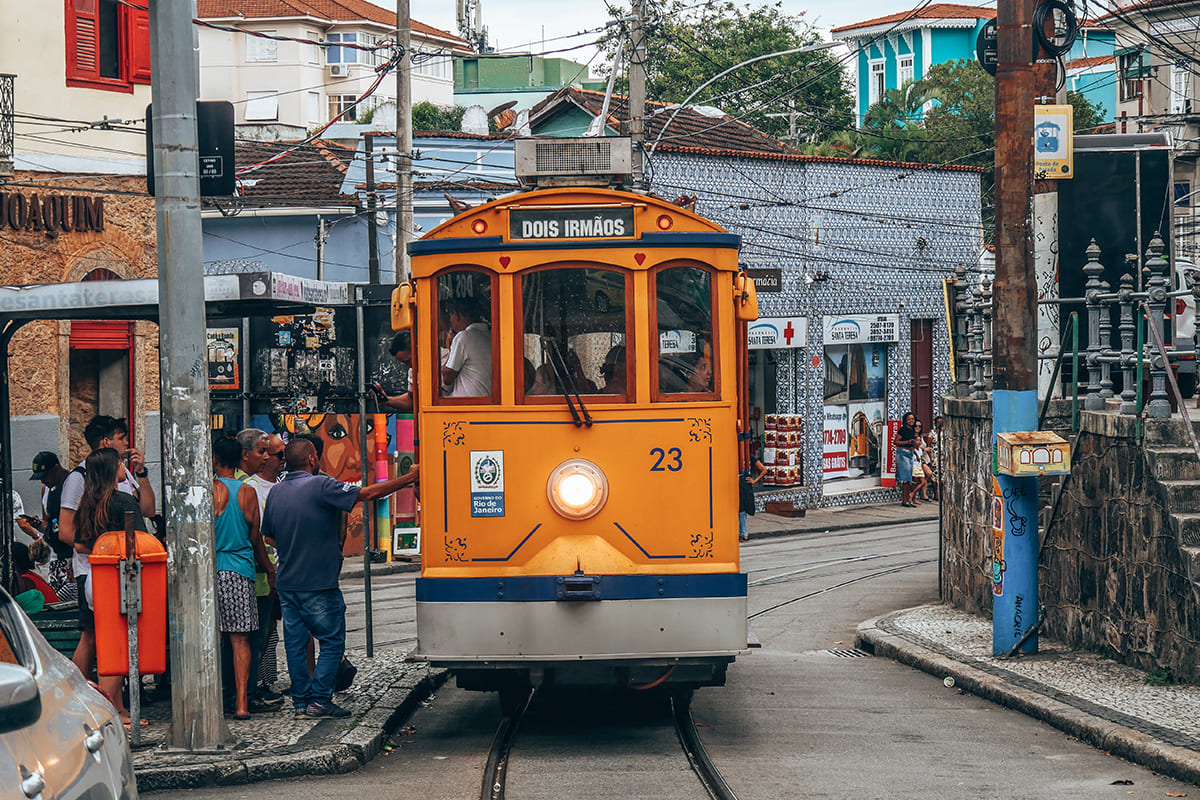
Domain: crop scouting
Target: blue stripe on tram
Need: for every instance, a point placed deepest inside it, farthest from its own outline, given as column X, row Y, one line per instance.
column 541, row 588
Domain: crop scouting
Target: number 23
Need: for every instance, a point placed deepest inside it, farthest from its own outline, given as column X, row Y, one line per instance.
column 673, row 457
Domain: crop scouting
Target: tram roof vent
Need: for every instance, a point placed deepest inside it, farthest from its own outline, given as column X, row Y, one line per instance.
column 591, row 161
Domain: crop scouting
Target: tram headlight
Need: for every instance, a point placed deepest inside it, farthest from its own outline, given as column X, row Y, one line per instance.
column 577, row 489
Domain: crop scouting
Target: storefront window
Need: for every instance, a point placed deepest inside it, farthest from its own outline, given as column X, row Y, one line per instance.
column 685, row 333
column 855, row 410
column 574, row 334
column 465, row 342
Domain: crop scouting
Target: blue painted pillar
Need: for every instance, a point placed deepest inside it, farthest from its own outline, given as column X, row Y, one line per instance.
column 1014, row 531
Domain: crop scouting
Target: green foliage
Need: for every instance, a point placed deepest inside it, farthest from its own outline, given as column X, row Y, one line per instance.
column 1086, row 115
column 1162, row 676
column 689, row 44
column 428, row 117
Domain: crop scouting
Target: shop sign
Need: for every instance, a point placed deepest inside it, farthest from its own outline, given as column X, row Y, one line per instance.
column 767, row 279
column 777, row 333
column 51, row 214
column 834, row 460
column 570, row 223
column 862, row 328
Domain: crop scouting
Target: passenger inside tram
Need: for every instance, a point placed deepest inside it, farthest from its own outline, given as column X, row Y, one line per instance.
column 613, row 371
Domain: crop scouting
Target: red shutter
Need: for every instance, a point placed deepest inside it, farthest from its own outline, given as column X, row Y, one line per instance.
column 98, row 335
column 83, row 39
column 137, row 37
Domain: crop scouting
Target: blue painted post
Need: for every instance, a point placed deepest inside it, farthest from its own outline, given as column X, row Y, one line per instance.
column 1014, row 532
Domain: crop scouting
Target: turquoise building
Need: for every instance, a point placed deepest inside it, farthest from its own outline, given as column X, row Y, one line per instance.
column 903, row 46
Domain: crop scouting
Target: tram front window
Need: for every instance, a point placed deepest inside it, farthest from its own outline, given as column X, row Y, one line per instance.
column 685, row 331
column 574, row 333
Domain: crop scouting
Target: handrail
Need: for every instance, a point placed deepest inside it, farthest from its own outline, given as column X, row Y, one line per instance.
column 1074, row 320
column 1139, row 423
column 1156, row 334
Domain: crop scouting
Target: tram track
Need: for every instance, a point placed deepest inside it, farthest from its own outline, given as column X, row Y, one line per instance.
column 495, row 774
column 841, row 585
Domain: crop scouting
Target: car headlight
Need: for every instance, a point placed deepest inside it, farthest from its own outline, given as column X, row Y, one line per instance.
column 577, row 489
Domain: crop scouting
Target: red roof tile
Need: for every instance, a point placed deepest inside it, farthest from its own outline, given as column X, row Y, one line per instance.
column 934, row 11
column 335, row 10
column 307, row 176
column 1094, row 61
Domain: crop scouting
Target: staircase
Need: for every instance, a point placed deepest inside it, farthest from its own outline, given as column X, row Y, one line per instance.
column 1173, row 464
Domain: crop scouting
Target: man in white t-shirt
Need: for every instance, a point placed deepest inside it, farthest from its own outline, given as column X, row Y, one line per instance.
column 468, row 368
column 102, row 431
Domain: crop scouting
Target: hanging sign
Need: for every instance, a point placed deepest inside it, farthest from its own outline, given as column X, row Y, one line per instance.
column 777, row 333
column 1053, row 142
column 862, row 328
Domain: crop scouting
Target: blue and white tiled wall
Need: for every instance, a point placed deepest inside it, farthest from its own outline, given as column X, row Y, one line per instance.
column 887, row 235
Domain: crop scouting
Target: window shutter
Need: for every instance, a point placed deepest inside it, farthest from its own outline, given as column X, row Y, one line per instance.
column 137, row 34
column 83, row 39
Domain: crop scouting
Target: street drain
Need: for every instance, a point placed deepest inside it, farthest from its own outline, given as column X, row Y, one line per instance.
column 853, row 653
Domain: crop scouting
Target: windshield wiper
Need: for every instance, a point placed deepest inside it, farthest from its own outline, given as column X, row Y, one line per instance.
column 567, row 382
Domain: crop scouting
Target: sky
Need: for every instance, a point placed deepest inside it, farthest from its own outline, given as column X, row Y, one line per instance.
column 520, row 25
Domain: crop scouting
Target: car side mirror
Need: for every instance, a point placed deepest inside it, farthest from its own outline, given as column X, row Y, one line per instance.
column 20, row 701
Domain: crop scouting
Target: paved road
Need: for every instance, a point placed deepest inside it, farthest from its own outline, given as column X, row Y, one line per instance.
column 800, row 717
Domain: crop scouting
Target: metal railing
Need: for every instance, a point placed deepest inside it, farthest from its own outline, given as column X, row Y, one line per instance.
column 1128, row 353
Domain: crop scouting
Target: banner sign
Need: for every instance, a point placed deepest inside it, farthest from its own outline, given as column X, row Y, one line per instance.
column 834, row 443
column 776, row 333
column 570, row 223
column 862, row 328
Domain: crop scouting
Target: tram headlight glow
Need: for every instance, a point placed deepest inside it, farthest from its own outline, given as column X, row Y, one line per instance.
column 577, row 489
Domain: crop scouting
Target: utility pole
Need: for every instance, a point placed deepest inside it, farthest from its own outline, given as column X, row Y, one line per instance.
column 1014, row 398
column 196, row 721
column 401, row 270
column 637, row 91
column 372, row 233
column 1045, row 220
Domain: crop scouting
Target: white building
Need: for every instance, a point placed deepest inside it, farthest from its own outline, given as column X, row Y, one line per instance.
column 282, row 88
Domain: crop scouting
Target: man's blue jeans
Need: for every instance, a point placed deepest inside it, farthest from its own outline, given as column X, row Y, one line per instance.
column 323, row 614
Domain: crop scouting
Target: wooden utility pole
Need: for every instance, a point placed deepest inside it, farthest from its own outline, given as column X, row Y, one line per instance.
column 1014, row 344
column 404, row 143
column 196, row 721
column 637, row 91
column 372, row 231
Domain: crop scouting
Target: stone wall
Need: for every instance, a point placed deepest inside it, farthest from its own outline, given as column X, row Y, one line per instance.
column 1113, row 577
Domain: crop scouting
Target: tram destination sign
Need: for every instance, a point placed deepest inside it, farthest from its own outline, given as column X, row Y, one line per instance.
column 571, row 223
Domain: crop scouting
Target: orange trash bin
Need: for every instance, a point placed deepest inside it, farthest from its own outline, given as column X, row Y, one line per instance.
column 112, row 629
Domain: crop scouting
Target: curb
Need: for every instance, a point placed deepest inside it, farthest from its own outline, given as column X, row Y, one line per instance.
column 386, row 568
column 354, row 748
column 1139, row 748
column 848, row 526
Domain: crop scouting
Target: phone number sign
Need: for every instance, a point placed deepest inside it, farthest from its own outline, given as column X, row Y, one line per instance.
column 863, row 328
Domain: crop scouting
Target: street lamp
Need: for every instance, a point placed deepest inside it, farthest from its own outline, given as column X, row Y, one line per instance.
column 808, row 48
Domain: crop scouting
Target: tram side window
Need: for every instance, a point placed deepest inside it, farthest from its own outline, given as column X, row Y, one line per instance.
column 685, row 331
column 465, row 334
column 573, row 332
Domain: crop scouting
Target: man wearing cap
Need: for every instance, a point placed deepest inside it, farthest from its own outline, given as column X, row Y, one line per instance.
column 48, row 470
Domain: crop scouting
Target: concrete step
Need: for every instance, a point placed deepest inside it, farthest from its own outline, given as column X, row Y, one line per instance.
column 1186, row 528
column 1183, row 497
column 1192, row 556
column 1174, row 463
column 1171, row 431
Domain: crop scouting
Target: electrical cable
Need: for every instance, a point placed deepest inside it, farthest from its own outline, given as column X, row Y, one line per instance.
column 1042, row 13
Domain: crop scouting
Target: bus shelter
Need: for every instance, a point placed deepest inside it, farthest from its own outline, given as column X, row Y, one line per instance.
column 240, row 298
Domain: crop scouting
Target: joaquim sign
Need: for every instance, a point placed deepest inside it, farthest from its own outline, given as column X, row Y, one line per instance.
column 51, row 214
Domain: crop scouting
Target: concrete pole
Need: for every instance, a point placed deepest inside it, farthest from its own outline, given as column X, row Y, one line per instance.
column 637, row 92
column 1045, row 228
column 196, row 722
column 401, row 269
column 1014, row 399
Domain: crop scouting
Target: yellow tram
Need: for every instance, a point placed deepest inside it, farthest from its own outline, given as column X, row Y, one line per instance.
column 579, row 480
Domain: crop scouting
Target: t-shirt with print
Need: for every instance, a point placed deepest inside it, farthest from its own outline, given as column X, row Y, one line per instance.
column 72, row 493
column 303, row 515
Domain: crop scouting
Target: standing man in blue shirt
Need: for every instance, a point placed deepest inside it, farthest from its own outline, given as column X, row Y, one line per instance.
column 302, row 515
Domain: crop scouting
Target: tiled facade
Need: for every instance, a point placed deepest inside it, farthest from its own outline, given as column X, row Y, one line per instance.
column 888, row 235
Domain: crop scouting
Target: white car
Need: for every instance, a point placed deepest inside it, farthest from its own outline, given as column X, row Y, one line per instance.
column 60, row 738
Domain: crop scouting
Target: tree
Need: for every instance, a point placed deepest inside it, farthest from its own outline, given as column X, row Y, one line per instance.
column 687, row 45
column 428, row 117
column 1088, row 117
column 893, row 128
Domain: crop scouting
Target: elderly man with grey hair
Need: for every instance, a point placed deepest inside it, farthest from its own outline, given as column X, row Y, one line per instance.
column 254, row 451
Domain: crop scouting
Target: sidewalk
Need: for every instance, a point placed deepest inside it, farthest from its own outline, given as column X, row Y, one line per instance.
column 1100, row 702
